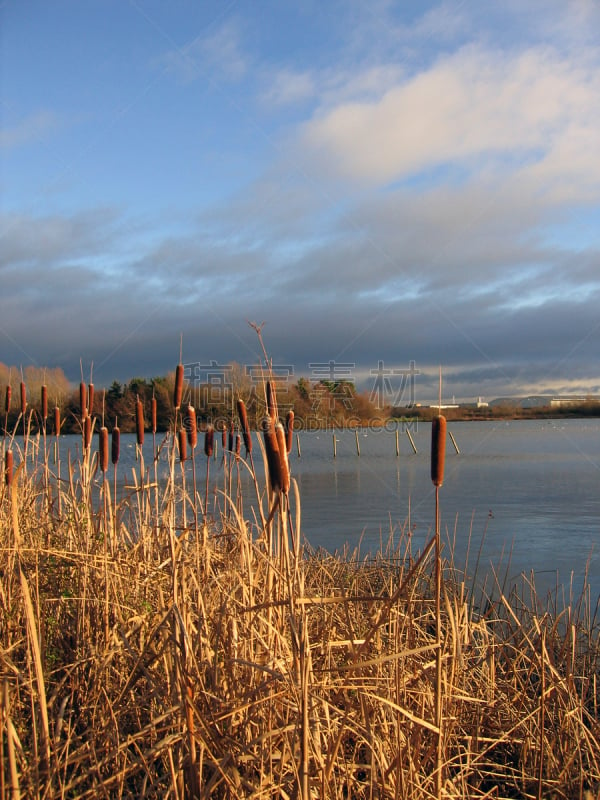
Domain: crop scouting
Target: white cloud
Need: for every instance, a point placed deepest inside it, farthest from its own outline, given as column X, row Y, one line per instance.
column 473, row 106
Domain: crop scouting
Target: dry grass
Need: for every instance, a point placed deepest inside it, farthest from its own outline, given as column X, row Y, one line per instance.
column 141, row 657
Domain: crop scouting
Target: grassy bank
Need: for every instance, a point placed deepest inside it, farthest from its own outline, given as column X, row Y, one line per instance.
column 175, row 643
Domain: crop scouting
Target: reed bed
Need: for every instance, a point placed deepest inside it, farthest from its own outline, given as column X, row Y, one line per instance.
column 172, row 643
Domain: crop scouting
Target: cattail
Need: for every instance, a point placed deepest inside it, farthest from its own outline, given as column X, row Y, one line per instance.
column 8, row 467
column 271, row 401
column 44, row 403
column 103, row 448
column 23, row 398
column 178, row 391
column 83, row 399
column 182, row 445
column 87, row 432
column 115, row 445
column 90, row 401
column 438, row 449
column 238, row 446
column 284, row 467
column 139, row 421
column 7, row 398
column 209, row 441
column 154, row 414
column 272, row 451
column 56, row 421
column 224, row 437
column 243, row 415
column 231, row 436
column 192, row 426
column 289, row 431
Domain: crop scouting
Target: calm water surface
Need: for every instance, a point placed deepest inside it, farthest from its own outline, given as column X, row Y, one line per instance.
column 524, row 488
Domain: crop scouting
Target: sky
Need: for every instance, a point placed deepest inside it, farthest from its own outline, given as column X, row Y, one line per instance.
column 380, row 183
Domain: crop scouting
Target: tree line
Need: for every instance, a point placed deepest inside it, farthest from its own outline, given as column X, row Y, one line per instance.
column 30, row 398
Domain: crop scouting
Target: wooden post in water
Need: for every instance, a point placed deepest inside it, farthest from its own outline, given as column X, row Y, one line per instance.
column 357, row 444
column 334, row 446
column 397, row 444
column 298, row 445
column 413, row 445
column 453, row 440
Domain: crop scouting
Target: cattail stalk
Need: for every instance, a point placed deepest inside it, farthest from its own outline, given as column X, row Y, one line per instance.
column 139, row 422
column 182, row 446
column 191, row 426
column 178, row 390
column 271, row 400
column 87, row 432
column 115, row 450
column 44, row 403
column 154, row 415
column 8, row 467
column 243, row 415
column 289, row 431
column 438, row 449
column 209, row 440
column 438, row 453
column 83, row 399
column 272, row 451
column 103, row 449
column 284, row 467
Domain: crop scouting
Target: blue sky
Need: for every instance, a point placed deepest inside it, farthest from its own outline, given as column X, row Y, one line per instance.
column 396, row 182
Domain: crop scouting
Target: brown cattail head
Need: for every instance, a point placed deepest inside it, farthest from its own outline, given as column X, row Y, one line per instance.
column 284, row 467
column 243, row 415
column 209, row 441
column 87, row 432
column 44, row 403
column 8, row 467
column 139, row 421
column 178, row 391
column 224, row 437
column 7, row 398
column 115, row 450
column 271, row 400
column 289, row 431
column 238, row 446
column 83, row 399
column 182, row 445
column 90, row 399
column 56, row 421
column 23, row 398
column 154, row 413
column 438, row 449
column 272, row 451
column 191, row 426
column 103, row 448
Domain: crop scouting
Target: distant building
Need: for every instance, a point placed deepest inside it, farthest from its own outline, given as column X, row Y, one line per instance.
column 570, row 400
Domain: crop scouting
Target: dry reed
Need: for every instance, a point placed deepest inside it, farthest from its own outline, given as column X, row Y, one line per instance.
column 177, row 666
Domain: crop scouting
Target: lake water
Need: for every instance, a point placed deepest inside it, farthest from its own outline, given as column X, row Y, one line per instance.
column 528, row 488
